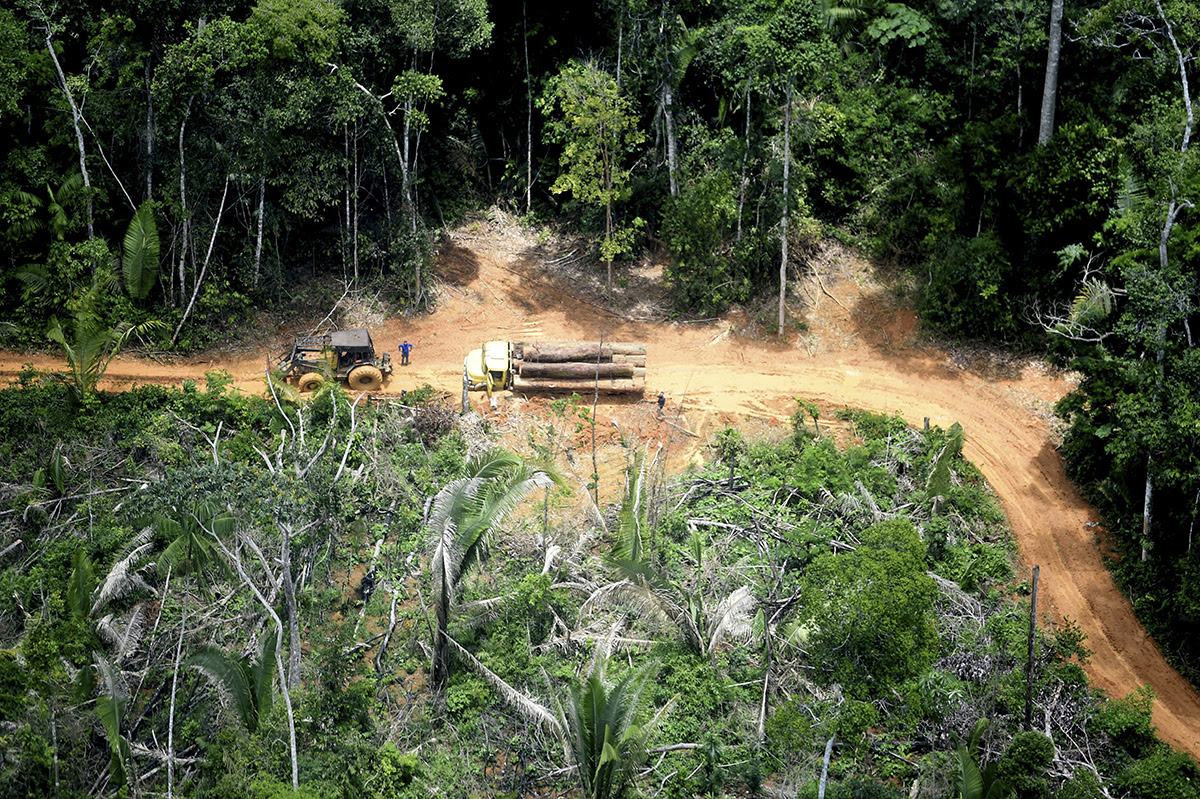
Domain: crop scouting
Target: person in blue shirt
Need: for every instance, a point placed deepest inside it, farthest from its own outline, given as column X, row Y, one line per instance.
column 405, row 349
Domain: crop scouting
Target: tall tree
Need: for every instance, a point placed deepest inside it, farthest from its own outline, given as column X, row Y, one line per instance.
column 789, row 43
column 598, row 129
column 1050, row 89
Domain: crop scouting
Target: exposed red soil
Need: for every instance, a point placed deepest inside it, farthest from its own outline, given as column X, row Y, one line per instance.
column 860, row 348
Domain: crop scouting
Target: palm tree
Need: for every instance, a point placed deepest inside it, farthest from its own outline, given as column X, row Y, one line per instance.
column 463, row 515
column 603, row 736
column 652, row 595
column 92, row 345
column 242, row 682
column 49, row 214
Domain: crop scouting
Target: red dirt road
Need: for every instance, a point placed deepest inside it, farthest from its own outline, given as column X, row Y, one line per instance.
column 859, row 350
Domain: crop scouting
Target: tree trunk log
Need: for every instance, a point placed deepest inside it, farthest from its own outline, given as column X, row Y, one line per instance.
column 625, row 386
column 616, row 347
column 564, row 353
column 574, row 371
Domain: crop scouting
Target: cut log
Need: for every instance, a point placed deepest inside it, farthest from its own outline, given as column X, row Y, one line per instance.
column 636, row 360
column 573, row 371
column 627, row 386
column 617, row 347
column 565, row 353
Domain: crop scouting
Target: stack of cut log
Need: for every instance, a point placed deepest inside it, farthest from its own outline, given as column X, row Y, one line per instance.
column 615, row 367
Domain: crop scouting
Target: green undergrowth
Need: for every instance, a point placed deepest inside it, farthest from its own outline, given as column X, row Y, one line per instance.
column 740, row 616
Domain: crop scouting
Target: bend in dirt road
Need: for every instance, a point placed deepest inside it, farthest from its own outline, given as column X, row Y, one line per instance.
column 858, row 351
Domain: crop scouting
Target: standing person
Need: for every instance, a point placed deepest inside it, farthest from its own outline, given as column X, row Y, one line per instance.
column 662, row 402
column 405, row 349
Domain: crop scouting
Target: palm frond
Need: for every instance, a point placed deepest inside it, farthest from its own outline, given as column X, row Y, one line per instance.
column 262, row 677
column 110, row 707
column 733, row 617
column 529, row 708
column 35, row 277
column 123, row 577
column 124, row 637
column 1093, row 303
column 228, row 674
column 631, row 519
column 650, row 600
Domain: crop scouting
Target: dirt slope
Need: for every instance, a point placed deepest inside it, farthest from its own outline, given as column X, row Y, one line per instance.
column 858, row 350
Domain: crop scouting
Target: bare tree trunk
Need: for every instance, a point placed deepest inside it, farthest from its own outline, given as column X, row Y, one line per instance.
column 76, row 115
column 669, row 119
column 174, row 684
column 1192, row 526
column 528, row 118
column 1147, row 515
column 405, row 162
column 620, row 45
column 258, row 241
column 825, row 769
column 187, row 220
column 149, row 133
column 203, row 267
column 1050, row 90
column 289, row 595
column 405, row 178
column 1029, row 659
column 595, row 402
column 608, row 236
column 742, row 185
column 1183, row 79
column 783, row 233
column 344, row 222
column 283, row 687
column 354, row 226
column 768, row 659
column 54, row 746
column 1019, row 24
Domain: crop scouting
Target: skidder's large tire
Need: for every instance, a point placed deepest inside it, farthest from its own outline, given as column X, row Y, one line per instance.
column 366, row 378
column 310, row 382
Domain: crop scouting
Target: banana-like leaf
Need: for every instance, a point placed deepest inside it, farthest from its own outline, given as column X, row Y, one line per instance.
column 81, row 586
column 139, row 257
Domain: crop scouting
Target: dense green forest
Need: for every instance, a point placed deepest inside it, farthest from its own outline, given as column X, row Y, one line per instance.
column 170, row 165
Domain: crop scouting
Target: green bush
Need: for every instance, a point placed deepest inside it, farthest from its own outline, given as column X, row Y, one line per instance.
column 872, row 612
column 1022, row 767
column 467, row 696
column 1128, row 722
column 1162, row 775
column 789, row 729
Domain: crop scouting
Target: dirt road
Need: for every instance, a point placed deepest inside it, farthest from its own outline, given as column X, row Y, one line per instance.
column 859, row 350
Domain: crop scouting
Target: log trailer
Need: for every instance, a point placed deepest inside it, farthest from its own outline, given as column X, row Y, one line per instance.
column 561, row 366
column 343, row 355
